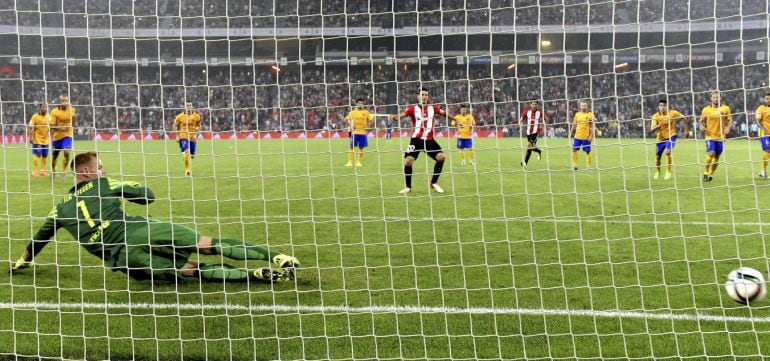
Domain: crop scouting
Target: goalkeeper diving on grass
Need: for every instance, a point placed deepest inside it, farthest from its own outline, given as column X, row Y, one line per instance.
column 143, row 248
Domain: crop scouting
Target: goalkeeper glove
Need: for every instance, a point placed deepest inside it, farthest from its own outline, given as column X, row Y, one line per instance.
column 21, row 264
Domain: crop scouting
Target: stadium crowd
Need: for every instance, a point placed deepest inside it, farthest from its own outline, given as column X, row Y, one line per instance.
column 257, row 98
column 377, row 13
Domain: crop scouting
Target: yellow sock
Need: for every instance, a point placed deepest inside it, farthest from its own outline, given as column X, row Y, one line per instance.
column 360, row 155
column 350, row 156
column 765, row 158
column 462, row 155
column 669, row 159
column 471, row 155
column 35, row 163
column 186, row 162
column 574, row 159
column 43, row 161
column 714, row 164
column 707, row 168
column 588, row 160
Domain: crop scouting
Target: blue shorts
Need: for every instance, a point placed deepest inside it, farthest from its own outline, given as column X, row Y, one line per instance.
column 585, row 143
column 64, row 143
column 359, row 140
column 464, row 143
column 40, row 150
column 765, row 141
column 665, row 144
column 185, row 144
column 716, row 146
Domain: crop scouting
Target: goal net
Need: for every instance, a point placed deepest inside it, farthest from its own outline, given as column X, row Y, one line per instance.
column 596, row 253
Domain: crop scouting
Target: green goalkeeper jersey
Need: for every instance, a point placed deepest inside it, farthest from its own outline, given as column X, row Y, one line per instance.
column 92, row 212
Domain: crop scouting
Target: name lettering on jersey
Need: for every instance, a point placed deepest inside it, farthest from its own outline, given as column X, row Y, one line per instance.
column 94, row 237
column 80, row 191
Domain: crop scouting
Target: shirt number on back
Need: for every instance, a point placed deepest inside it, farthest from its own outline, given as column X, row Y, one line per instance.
column 86, row 214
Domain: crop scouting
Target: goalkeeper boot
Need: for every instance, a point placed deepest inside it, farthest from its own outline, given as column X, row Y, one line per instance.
column 763, row 175
column 405, row 190
column 285, row 261
column 657, row 175
column 668, row 176
column 268, row 274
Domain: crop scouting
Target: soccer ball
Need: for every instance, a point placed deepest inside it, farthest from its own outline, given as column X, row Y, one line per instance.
column 746, row 285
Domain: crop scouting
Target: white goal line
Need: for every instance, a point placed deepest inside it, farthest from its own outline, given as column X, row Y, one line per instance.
column 382, row 310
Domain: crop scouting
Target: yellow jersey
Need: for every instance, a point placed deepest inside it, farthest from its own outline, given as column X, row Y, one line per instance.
column 187, row 125
column 763, row 117
column 667, row 123
column 716, row 119
column 465, row 125
column 38, row 129
column 582, row 124
column 62, row 122
column 359, row 120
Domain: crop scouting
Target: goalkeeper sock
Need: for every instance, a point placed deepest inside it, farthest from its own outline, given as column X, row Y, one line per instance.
column 437, row 168
column 588, row 160
column 224, row 272
column 537, row 150
column 239, row 250
column 408, row 176
column 574, row 159
column 765, row 158
column 529, row 154
column 669, row 161
column 707, row 168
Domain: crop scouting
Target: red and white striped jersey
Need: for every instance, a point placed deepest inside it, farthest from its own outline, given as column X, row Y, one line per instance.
column 423, row 120
column 534, row 119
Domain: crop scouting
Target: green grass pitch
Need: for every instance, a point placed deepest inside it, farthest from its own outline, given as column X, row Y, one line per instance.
column 543, row 264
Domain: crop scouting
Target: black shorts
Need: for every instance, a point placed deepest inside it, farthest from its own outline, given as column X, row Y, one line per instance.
column 532, row 138
column 417, row 145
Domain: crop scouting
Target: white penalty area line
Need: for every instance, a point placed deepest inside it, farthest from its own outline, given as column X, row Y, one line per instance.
column 383, row 310
column 304, row 217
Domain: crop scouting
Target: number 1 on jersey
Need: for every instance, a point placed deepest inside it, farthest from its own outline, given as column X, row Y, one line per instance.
column 86, row 214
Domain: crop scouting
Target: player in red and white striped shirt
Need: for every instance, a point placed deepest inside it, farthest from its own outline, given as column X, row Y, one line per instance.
column 424, row 122
column 532, row 121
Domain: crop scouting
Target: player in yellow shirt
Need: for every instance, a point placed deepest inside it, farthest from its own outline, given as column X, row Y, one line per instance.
column 359, row 120
column 584, row 128
column 715, row 123
column 465, row 123
column 187, row 123
column 38, row 137
column 763, row 120
column 62, row 123
column 664, row 123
